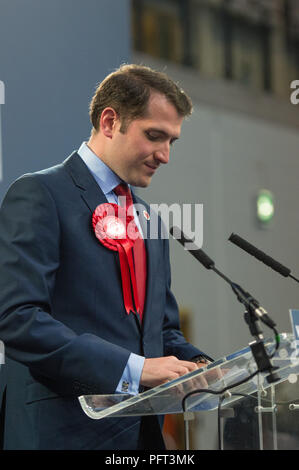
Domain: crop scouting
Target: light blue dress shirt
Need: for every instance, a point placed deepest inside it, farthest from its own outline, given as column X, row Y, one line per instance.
column 108, row 180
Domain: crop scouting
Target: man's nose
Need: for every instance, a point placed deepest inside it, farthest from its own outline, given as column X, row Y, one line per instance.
column 162, row 154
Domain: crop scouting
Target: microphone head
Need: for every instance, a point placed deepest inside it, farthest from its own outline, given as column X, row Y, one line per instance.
column 190, row 246
column 260, row 255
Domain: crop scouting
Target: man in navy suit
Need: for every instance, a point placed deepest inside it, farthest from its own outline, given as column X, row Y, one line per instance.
column 62, row 313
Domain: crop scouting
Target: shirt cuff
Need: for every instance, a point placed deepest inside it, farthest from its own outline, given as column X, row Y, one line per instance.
column 130, row 379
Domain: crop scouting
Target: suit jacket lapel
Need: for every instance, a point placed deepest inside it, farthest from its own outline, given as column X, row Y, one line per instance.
column 91, row 193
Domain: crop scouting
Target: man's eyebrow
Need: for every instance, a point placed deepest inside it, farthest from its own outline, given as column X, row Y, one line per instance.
column 162, row 132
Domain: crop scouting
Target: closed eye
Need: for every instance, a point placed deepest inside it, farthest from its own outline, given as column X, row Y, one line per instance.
column 159, row 137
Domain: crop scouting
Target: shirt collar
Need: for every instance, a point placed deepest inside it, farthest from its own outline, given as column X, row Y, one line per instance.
column 105, row 177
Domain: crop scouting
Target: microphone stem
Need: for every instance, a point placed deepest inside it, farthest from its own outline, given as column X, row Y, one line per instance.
column 293, row 277
column 222, row 275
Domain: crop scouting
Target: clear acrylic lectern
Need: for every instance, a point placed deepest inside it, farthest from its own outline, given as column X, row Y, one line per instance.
column 210, row 381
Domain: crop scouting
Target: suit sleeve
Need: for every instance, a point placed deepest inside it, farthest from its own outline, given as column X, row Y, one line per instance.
column 175, row 343
column 29, row 259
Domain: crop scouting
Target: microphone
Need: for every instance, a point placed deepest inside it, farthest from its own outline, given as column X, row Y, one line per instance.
column 261, row 256
column 244, row 297
column 257, row 347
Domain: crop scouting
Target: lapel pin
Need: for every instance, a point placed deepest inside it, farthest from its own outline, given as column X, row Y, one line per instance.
column 146, row 215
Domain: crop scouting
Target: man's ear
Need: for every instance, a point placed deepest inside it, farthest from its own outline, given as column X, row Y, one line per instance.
column 109, row 118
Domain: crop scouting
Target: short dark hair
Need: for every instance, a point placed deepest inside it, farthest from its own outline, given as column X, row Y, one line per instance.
column 127, row 91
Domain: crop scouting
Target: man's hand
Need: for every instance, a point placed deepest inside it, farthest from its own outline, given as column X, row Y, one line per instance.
column 159, row 370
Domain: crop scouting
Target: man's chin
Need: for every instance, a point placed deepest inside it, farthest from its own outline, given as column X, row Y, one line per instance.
column 141, row 183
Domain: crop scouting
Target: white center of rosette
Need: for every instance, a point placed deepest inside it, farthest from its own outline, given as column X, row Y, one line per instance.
column 114, row 227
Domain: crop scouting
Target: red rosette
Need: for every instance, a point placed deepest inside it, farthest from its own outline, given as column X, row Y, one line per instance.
column 117, row 231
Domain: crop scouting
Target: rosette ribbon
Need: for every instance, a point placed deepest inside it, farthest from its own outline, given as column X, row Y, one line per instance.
column 117, row 231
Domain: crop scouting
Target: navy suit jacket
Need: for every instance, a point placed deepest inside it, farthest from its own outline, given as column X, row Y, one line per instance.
column 62, row 319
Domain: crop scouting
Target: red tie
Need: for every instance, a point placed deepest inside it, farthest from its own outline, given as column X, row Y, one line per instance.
column 139, row 252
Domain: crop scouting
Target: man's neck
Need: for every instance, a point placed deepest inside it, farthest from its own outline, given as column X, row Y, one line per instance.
column 96, row 147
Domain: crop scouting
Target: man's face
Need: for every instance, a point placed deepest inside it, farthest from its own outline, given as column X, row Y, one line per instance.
column 136, row 154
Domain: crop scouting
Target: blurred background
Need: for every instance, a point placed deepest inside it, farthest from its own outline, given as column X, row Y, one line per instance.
column 236, row 59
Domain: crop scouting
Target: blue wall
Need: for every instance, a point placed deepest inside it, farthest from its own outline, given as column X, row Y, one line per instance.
column 52, row 55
